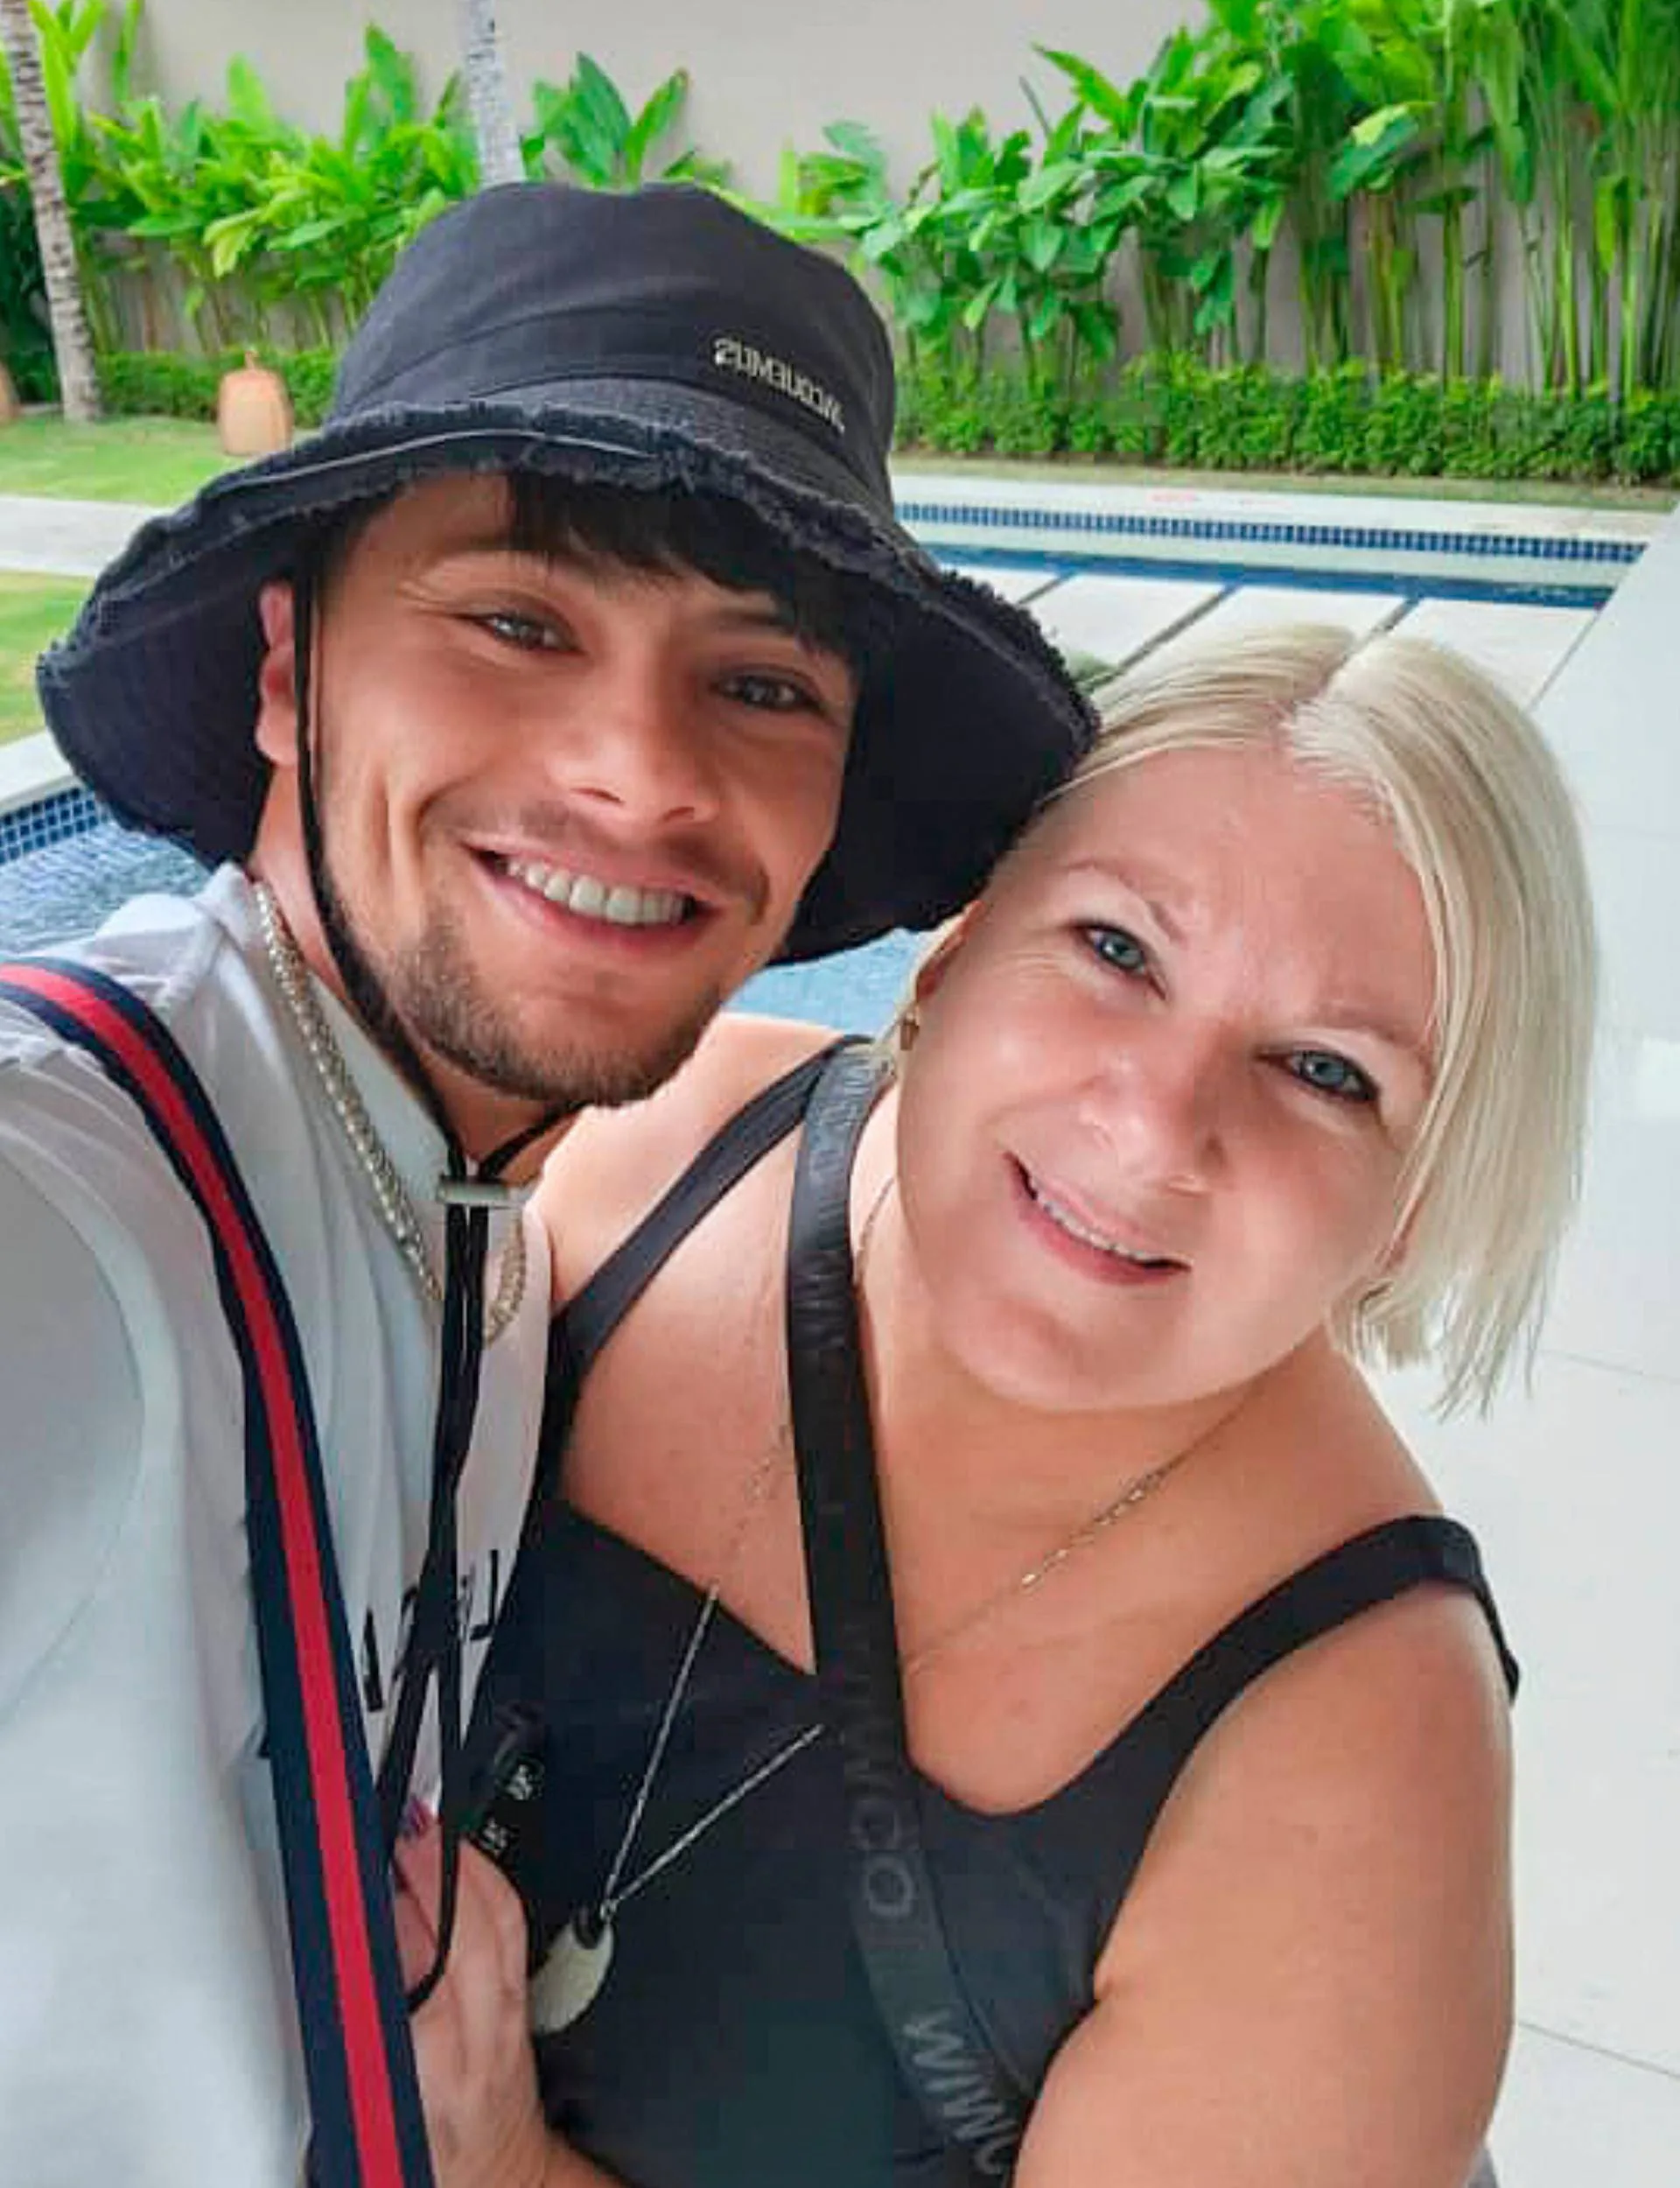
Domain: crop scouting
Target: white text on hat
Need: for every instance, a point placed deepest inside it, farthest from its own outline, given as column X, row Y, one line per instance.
column 730, row 353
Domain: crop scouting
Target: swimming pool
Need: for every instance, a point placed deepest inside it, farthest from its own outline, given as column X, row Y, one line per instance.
column 1114, row 572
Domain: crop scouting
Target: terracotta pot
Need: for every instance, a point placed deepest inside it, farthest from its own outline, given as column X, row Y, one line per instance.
column 253, row 410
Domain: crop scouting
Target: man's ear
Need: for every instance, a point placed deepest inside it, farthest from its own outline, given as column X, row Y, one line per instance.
column 277, row 680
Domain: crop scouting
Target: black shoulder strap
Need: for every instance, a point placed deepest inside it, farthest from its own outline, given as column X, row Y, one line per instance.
column 944, row 2053
column 1358, row 1575
column 1374, row 1567
column 583, row 1323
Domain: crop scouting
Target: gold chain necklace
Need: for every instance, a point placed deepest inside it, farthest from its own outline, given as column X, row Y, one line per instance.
column 344, row 1099
column 577, row 1964
column 1131, row 1494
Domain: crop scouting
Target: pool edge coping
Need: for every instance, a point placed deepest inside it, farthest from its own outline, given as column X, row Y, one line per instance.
column 33, row 768
column 1094, row 524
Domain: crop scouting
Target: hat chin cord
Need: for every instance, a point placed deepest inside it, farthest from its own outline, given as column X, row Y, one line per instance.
column 434, row 1648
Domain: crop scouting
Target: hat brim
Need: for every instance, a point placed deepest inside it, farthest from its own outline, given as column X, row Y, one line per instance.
column 962, row 731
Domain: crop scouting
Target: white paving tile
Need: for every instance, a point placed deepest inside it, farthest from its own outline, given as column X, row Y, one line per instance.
column 1618, row 1295
column 1251, row 607
column 1611, row 716
column 1520, row 644
column 1114, row 619
column 1568, row 2116
column 1623, row 757
column 30, row 767
column 1573, row 1488
column 1016, row 581
column 1635, row 876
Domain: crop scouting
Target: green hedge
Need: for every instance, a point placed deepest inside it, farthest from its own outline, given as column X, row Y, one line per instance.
column 32, row 373
column 1175, row 411
column 1169, row 410
column 154, row 384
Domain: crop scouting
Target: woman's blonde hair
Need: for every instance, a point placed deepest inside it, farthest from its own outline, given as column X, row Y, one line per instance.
column 1480, row 812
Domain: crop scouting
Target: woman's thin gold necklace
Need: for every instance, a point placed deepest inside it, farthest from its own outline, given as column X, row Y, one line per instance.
column 570, row 1977
column 1131, row 1494
column 344, row 1099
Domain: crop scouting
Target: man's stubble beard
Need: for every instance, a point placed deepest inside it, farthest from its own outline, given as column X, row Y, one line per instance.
column 435, row 988
column 429, row 989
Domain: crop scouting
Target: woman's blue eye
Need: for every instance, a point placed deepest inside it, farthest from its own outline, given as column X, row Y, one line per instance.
column 1116, row 948
column 1327, row 1073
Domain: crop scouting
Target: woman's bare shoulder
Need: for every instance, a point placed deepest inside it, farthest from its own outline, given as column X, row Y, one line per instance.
column 1397, row 1713
column 1324, row 1907
column 614, row 1164
column 1373, row 1759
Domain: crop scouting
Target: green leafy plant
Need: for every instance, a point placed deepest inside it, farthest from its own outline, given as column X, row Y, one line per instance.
column 25, row 345
column 990, row 235
column 842, row 195
column 1397, row 146
column 263, row 224
column 1013, row 241
column 1189, row 158
column 1601, row 94
column 585, row 132
column 169, row 184
column 149, row 383
column 327, row 229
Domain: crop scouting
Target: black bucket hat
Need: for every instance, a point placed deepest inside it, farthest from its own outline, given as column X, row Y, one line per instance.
column 658, row 340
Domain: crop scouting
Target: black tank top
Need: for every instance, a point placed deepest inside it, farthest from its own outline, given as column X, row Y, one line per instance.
column 735, row 2043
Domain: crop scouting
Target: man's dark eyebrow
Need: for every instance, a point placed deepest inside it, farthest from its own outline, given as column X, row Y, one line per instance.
column 764, row 608
column 758, row 609
column 497, row 539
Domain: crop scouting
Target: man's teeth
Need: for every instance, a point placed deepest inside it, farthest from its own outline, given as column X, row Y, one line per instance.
column 619, row 905
column 1066, row 1220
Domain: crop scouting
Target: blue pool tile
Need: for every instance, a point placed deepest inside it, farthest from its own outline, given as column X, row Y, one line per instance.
column 49, row 820
column 64, row 888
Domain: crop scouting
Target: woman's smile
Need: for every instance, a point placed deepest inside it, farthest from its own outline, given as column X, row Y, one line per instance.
column 1098, row 1248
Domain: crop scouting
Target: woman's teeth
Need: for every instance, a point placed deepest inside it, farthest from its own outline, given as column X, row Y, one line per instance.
column 1066, row 1220
column 618, row 904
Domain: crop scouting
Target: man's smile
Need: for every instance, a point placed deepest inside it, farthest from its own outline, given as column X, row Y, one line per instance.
column 619, row 903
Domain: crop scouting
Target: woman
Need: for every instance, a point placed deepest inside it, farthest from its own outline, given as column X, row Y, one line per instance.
column 1263, row 1053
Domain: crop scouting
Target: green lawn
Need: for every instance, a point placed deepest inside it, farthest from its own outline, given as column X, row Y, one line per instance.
column 156, row 459
column 32, row 611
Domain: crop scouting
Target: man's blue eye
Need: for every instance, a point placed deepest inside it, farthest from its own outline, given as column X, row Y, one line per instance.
column 1327, row 1073
column 1116, row 948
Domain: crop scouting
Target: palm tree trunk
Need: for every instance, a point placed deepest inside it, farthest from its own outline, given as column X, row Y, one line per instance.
column 500, row 159
column 71, row 346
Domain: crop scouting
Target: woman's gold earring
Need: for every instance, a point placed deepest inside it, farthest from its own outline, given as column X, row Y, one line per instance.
column 909, row 1027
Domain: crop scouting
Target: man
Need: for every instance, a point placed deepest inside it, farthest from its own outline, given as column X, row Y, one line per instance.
column 573, row 671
